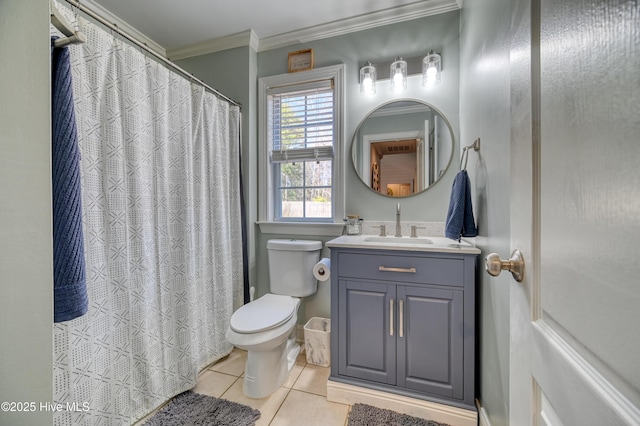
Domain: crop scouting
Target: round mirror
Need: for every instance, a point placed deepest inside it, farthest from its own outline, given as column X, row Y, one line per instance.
column 402, row 148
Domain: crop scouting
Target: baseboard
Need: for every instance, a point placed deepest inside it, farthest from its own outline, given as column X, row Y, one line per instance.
column 482, row 414
column 349, row 394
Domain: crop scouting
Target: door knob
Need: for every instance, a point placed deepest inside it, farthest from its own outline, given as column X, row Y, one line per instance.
column 494, row 265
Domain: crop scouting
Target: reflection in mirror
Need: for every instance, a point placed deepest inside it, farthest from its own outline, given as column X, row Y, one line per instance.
column 402, row 148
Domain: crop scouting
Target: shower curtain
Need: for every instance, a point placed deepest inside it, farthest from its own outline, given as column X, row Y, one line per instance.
column 160, row 179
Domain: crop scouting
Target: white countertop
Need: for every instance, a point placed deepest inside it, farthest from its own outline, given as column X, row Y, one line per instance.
column 432, row 244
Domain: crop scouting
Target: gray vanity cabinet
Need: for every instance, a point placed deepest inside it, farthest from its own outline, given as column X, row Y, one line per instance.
column 367, row 350
column 403, row 321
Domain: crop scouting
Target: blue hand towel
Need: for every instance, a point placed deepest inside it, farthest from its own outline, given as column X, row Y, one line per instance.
column 460, row 221
column 69, row 283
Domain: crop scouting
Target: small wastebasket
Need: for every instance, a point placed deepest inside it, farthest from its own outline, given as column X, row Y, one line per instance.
column 317, row 334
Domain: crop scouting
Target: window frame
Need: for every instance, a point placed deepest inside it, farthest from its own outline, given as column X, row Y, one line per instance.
column 268, row 223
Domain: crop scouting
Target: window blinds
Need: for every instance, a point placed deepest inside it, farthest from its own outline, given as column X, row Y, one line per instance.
column 301, row 122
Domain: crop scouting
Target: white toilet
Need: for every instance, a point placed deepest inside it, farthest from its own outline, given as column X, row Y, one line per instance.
column 266, row 327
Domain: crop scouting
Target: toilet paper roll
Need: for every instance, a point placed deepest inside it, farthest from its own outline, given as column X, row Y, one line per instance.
column 322, row 269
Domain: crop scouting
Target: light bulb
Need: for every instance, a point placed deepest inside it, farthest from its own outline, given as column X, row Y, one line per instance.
column 397, row 81
column 368, row 79
column 368, row 85
column 430, row 80
column 398, row 74
column 431, row 66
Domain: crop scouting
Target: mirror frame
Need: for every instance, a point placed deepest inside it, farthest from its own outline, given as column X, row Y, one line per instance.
column 357, row 129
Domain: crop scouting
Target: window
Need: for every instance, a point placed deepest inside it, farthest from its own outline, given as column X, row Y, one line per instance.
column 300, row 136
column 300, row 143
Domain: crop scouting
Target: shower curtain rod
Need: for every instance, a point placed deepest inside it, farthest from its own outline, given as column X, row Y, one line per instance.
column 133, row 40
column 60, row 22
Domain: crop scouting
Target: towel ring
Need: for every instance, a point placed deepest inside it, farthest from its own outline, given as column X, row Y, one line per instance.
column 465, row 153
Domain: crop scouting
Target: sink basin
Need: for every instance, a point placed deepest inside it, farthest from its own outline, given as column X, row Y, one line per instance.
column 397, row 240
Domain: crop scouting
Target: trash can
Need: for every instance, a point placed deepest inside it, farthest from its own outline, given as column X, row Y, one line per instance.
column 317, row 334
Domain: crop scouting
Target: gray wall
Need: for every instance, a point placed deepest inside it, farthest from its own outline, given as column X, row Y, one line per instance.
column 407, row 39
column 485, row 113
column 226, row 71
column 26, row 277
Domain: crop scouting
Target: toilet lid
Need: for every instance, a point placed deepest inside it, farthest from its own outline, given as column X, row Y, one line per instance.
column 266, row 312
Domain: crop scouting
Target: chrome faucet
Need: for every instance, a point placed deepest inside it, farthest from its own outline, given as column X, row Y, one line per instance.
column 398, row 227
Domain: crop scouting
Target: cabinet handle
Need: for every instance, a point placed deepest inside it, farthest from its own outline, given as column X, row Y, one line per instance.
column 387, row 269
column 391, row 317
column 401, row 318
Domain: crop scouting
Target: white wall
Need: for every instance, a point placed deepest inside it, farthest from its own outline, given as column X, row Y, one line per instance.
column 26, row 277
column 397, row 168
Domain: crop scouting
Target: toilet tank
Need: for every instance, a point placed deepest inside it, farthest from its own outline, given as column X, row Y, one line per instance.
column 291, row 266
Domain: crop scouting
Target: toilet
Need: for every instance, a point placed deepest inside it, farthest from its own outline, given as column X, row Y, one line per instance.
column 266, row 327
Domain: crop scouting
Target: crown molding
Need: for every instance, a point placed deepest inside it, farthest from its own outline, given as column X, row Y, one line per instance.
column 124, row 26
column 345, row 26
column 241, row 39
column 359, row 23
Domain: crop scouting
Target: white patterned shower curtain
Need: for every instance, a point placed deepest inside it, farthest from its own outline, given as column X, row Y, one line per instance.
column 162, row 227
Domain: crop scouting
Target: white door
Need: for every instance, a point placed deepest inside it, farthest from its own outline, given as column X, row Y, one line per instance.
column 575, row 213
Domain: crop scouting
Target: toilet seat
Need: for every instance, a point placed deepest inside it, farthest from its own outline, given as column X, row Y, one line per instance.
column 264, row 313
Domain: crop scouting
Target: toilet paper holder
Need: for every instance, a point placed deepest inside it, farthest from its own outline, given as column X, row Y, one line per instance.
column 322, row 269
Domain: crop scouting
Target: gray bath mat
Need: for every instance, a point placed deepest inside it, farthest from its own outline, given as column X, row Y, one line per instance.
column 190, row 408
column 366, row 415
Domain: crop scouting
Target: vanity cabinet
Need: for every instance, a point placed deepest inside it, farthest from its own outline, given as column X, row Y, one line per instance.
column 404, row 322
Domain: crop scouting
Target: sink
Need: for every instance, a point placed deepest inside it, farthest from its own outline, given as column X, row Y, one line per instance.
column 406, row 243
column 397, row 240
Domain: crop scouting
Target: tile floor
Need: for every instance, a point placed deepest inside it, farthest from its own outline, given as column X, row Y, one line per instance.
column 303, row 396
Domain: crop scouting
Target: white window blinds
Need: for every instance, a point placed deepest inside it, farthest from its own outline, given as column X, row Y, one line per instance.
column 301, row 122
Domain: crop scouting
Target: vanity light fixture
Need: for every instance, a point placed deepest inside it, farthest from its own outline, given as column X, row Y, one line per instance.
column 398, row 74
column 368, row 79
column 431, row 69
column 398, row 70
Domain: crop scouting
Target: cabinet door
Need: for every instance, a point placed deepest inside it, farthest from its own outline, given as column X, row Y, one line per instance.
column 367, row 347
column 430, row 340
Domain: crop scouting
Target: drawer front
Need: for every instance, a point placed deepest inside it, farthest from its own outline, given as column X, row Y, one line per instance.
column 410, row 269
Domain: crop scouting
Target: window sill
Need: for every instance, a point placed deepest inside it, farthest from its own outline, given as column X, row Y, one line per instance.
column 302, row 228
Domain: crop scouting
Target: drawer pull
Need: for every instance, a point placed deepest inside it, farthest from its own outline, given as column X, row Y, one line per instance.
column 401, row 318
column 387, row 269
column 391, row 317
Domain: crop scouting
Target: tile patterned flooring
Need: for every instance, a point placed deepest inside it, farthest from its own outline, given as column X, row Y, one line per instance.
column 303, row 396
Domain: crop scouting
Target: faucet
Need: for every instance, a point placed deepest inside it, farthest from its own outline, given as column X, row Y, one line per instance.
column 398, row 227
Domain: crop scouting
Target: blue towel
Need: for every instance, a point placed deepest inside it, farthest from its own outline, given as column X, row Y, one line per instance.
column 460, row 221
column 69, row 283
